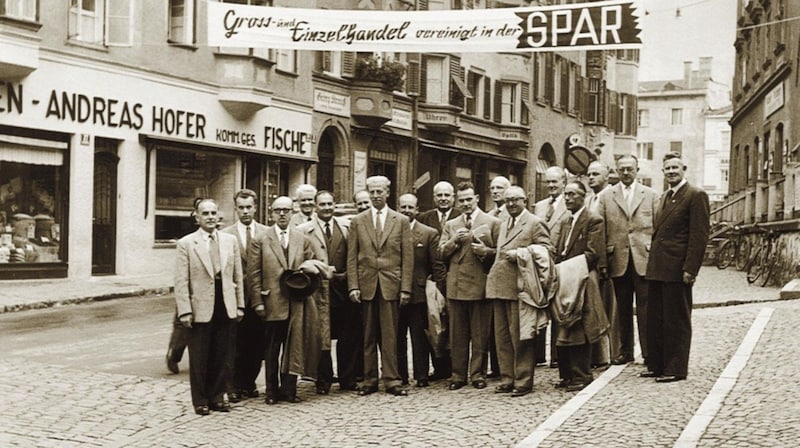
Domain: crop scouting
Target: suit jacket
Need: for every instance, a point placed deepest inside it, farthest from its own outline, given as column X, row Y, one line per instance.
column 586, row 239
column 680, row 235
column 431, row 218
column 388, row 263
column 258, row 231
column 426, row 249
column 194, row 276
column 466, row 274
column 299, row 218
column 560, row 213
column 528, row 229
column 265, row 264
column 499, row 213
column 333, row 254
column 628, row 232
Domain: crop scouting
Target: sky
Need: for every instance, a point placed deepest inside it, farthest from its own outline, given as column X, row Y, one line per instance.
column 704, row 28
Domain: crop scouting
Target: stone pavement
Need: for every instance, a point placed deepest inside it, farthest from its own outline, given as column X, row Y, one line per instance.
column 714, row 287
column 47, row 405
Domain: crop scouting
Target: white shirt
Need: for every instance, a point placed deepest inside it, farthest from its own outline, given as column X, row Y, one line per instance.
column 627, row 192
column 676, row 187
column 411, row 224
column 242, row 229
column 278, row 232
column 571, row 227
column 384, row 210
column 471, row 216
column 207, row 239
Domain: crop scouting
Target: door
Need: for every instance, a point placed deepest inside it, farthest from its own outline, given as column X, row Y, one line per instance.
column 104, row 224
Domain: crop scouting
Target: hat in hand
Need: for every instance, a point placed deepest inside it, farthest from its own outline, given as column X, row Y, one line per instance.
column 297, row 285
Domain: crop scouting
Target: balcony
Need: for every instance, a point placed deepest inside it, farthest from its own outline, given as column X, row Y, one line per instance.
column 513, row 136
column 19, row 47
column 439, row 117
column 371, row 103
column 243, row 102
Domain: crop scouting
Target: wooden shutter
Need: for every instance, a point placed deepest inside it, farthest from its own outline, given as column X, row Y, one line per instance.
column 525, row 90
column 549, row 73
column 422, row 5
column 455, row 96
column 487, row 98
column 498, row 102
column 413, row 72
column 535, row 64
column 348, row 64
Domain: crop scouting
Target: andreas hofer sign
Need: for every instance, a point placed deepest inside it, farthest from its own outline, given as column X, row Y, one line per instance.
column 598, row 25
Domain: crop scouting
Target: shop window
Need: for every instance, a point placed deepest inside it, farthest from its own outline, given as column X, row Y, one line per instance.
column 181, row 177
column 19, row 9
column 182, row 21
column 102, row 22
column 32, row 201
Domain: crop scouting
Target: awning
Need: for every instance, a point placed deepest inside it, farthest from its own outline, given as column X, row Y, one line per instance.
column 461, row 86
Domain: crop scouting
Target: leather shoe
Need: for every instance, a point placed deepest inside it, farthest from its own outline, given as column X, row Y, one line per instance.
column 438, row 376
column 669, row 378
column 575, row 387
column 493, row 374
column 562, row 384
column 404, row 382
column 397, row 391
column 172, row 365
column 519, row 392
column 366, row 390
column 201, row 410
column 601, row 367
column 622, row 359
column 479, row 384
column 504, row 389
column 649, row 375
column 234, row 397
column 455, row 385
column 423, row 383
column 292, row 399
column 322, row 388
column 348, row 386
column 553, row 364
column 221, row 406
column 252, row 393
column 271, row 400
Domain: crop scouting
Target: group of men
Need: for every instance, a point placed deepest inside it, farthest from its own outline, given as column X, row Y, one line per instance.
column 376, row 277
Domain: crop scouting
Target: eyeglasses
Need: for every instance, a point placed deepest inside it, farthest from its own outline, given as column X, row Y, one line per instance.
column 282, row 211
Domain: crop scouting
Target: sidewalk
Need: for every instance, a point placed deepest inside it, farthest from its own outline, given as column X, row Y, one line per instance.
column 714, row 287
column 19, row 295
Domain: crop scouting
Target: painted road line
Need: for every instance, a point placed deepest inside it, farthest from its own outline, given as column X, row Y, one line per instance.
column 696, row 427
column 558, row 418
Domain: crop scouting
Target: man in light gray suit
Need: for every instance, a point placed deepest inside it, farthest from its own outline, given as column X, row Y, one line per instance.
column 249, row 351
column 519, row 231
column 628, row 210
column 210, row 298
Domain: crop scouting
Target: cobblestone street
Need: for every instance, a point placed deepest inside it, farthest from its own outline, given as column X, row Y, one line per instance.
column 55, row 398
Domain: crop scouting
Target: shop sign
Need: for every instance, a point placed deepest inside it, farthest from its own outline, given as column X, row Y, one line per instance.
column 331, row 103
column 773, row 100
column 401, row 118
column 604, row 25
column 439, row 118
column 511, row 135
column 273, row 130
column 359, row 170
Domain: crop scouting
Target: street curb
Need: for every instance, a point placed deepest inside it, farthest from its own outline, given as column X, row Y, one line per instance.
column 698, row 306
column 138, row 292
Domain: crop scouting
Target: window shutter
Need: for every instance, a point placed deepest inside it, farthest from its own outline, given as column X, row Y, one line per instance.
column 487, row 98
column 423, row 78
column 633, row 111
column 422, row 5
column 549, row 72
column 602, row 95
column 525, row 89
column 348, row 64
column 498, row 102
column 119, row 23
column 579, row 95
column 456, row 98
column 413, row 73
column 535, row 64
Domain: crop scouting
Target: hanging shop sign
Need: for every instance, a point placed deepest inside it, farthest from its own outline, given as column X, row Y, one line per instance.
column 584, row 26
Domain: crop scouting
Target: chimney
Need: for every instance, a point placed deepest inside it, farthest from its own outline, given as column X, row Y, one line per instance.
column 687, row 73
column 705, row 68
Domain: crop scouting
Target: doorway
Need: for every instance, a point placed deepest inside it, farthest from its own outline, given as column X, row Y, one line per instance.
column 104, row 218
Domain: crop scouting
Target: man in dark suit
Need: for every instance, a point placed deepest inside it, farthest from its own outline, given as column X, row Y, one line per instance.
column 328, row 236
column 444, row 194
column 209, row 298
column 680, row 235
column 582, row 234
column 380, row 266
column 628, row 209
column 281, row 248
column 414, row 315
column 249, row 352
column 519, row 231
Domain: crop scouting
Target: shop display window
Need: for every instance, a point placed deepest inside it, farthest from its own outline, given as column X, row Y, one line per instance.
column 181, row 177
column 31, row 206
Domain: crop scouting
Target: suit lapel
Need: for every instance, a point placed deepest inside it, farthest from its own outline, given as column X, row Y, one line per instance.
column 275, row 245
column 388, row 225
column 224, row 251
column 519, row 226
column 295, row 246
column 201, row 248
column 665, row 208
column 576, row 231
column 619, row 198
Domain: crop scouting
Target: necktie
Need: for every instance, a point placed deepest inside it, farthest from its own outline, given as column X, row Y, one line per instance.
column 550, row 209
column 284, row 240
column 511, row 222
column 213, row 250
column 442, row 220
column 248, row 237
column 468, row 221
column 628, row 193
column 569, row 235
column 328, row 231
column 668, row 198
column 378, row 225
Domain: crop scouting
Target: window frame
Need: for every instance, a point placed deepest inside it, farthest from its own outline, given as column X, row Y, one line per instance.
column 676, row 120
column 189, row 18
column 21, row 6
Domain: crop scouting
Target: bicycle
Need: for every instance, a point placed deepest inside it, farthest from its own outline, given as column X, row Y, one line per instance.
column 763, row 261
column 734, row 250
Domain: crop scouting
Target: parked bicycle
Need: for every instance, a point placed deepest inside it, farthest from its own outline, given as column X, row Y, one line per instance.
column 763, row 260
column 735, row 249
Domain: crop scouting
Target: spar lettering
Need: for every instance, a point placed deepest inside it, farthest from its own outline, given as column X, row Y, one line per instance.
column 12, row 100
column 287, row 140
column 80, row 108
column 236, row 137
column 572, row 27
column 233, row 23
column 348, row 33
column 178, row 122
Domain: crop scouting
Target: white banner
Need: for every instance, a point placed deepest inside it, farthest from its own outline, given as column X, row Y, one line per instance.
column 600, row 25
